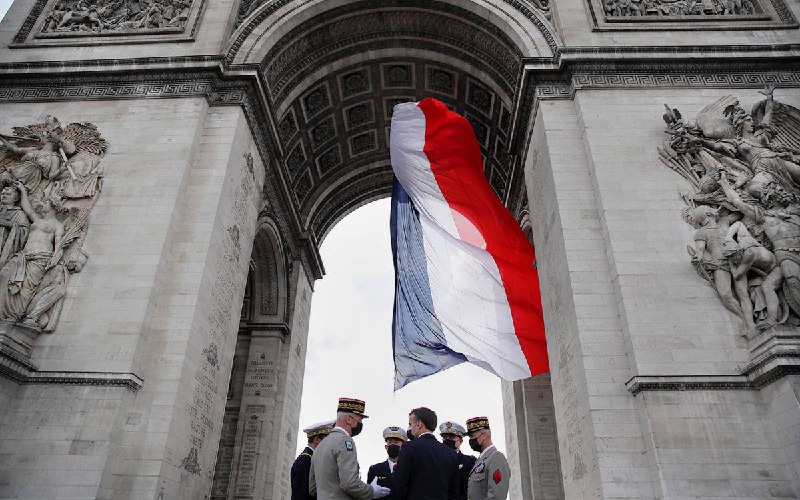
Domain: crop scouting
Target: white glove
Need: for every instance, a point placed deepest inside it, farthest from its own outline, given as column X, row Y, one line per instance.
column 378, row 491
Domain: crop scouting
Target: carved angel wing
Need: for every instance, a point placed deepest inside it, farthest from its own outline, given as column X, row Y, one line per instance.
column 76, row 222
column 86, row 138
column 785, row 123
column 712, row 120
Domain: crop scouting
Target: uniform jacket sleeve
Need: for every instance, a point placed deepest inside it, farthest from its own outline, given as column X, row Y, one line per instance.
column 498, row 476
column 312, row 484
column 371, row 474
column 349, row 479
column 402, row 474
column 454, row 485
column 300, row 476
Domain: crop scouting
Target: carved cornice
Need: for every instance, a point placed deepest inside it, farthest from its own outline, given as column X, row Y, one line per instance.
column 237, row 89
column 775, row 353
column 207, row 77
column 25, row 373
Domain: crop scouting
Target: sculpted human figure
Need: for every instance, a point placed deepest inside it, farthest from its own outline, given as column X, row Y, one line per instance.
column 709, row 252
column 746, row 255
column 753, row 144
column 43, row 161
column 781, row 224
column 14, row 224
column 20, row 277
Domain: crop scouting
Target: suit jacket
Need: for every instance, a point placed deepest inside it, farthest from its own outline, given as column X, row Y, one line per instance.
column 465, row 465
column 383, row 473
column 489, row 478
column 299, row 475
column 334, row 471
column 426, row 470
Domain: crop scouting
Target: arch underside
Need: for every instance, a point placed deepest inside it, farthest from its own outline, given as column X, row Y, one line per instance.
column 334, row 72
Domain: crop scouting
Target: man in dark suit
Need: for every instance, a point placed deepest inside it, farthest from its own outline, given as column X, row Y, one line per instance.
column 452, row 437
column 384, row 471
column 302, row 465
column 426, row 469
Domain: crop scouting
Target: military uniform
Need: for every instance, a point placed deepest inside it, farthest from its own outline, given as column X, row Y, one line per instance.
column 384, row 471
column 334, row 471
column 302, row 465
column 490, row 477
column 465, row 462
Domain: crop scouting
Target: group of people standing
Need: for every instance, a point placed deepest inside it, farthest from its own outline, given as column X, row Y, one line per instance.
column 418, row 467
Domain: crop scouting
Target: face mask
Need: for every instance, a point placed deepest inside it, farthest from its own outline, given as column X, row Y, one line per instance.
column 449, row 443
column 393, row 450
column 355, row 431
column 410, row 435
column 473, row 443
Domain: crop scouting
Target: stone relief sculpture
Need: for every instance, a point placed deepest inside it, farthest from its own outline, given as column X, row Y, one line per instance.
column 744, row 169
column 92, row 16
column 679, row 8
column 51, row 178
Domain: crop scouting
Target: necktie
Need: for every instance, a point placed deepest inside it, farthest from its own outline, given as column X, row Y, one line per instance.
column 394, row 466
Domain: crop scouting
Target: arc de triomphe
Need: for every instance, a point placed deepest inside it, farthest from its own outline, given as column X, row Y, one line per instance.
column 182, row 160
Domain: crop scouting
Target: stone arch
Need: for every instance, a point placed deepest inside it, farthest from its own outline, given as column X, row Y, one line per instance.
column 269, row 280
column 333, row 70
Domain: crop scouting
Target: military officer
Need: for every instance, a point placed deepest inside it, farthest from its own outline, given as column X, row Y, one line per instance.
column 452, row 436
column 490, row 476
column 302, row 465
column 384, row 471
column 334, row 466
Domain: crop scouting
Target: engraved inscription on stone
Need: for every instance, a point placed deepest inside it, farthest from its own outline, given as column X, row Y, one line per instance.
column 262, row 375
column 248, row 459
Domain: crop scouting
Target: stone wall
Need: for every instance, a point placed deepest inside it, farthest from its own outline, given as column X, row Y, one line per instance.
column 635, row 307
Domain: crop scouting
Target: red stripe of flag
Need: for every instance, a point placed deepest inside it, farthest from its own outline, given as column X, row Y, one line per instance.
column 455, row 159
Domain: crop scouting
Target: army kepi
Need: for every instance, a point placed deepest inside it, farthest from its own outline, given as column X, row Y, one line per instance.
column 477, row 423
column 350, row 405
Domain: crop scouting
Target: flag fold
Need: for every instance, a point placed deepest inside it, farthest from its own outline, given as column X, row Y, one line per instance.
column 466, row 287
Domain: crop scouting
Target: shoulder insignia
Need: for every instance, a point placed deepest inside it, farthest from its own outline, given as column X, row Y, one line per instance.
column 480, row 467
column 497, row 476
column 348, row 444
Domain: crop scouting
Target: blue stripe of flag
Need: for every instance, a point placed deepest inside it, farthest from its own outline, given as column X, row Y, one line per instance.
column 419, row 344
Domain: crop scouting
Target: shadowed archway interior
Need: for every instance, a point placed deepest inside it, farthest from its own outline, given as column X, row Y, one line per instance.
column 333, row 76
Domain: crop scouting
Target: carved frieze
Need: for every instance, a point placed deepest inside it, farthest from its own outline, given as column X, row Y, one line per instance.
column 50, row 179
column 744, row 203
column 68, row 21
column 690, row 14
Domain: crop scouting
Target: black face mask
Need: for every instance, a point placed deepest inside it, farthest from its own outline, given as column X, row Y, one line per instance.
column 449, row 443
column 473, row 443
column 393, row 450
column 410, row 435
column 355, row 431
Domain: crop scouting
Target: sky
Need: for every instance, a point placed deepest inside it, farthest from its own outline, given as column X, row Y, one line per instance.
column 350, row 345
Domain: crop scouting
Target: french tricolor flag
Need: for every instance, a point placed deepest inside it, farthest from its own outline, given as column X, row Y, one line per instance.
column 466, row 287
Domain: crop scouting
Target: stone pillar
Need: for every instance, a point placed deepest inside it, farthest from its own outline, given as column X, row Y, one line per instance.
column 657, row 393
column 257, row 454
column 126, row 390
